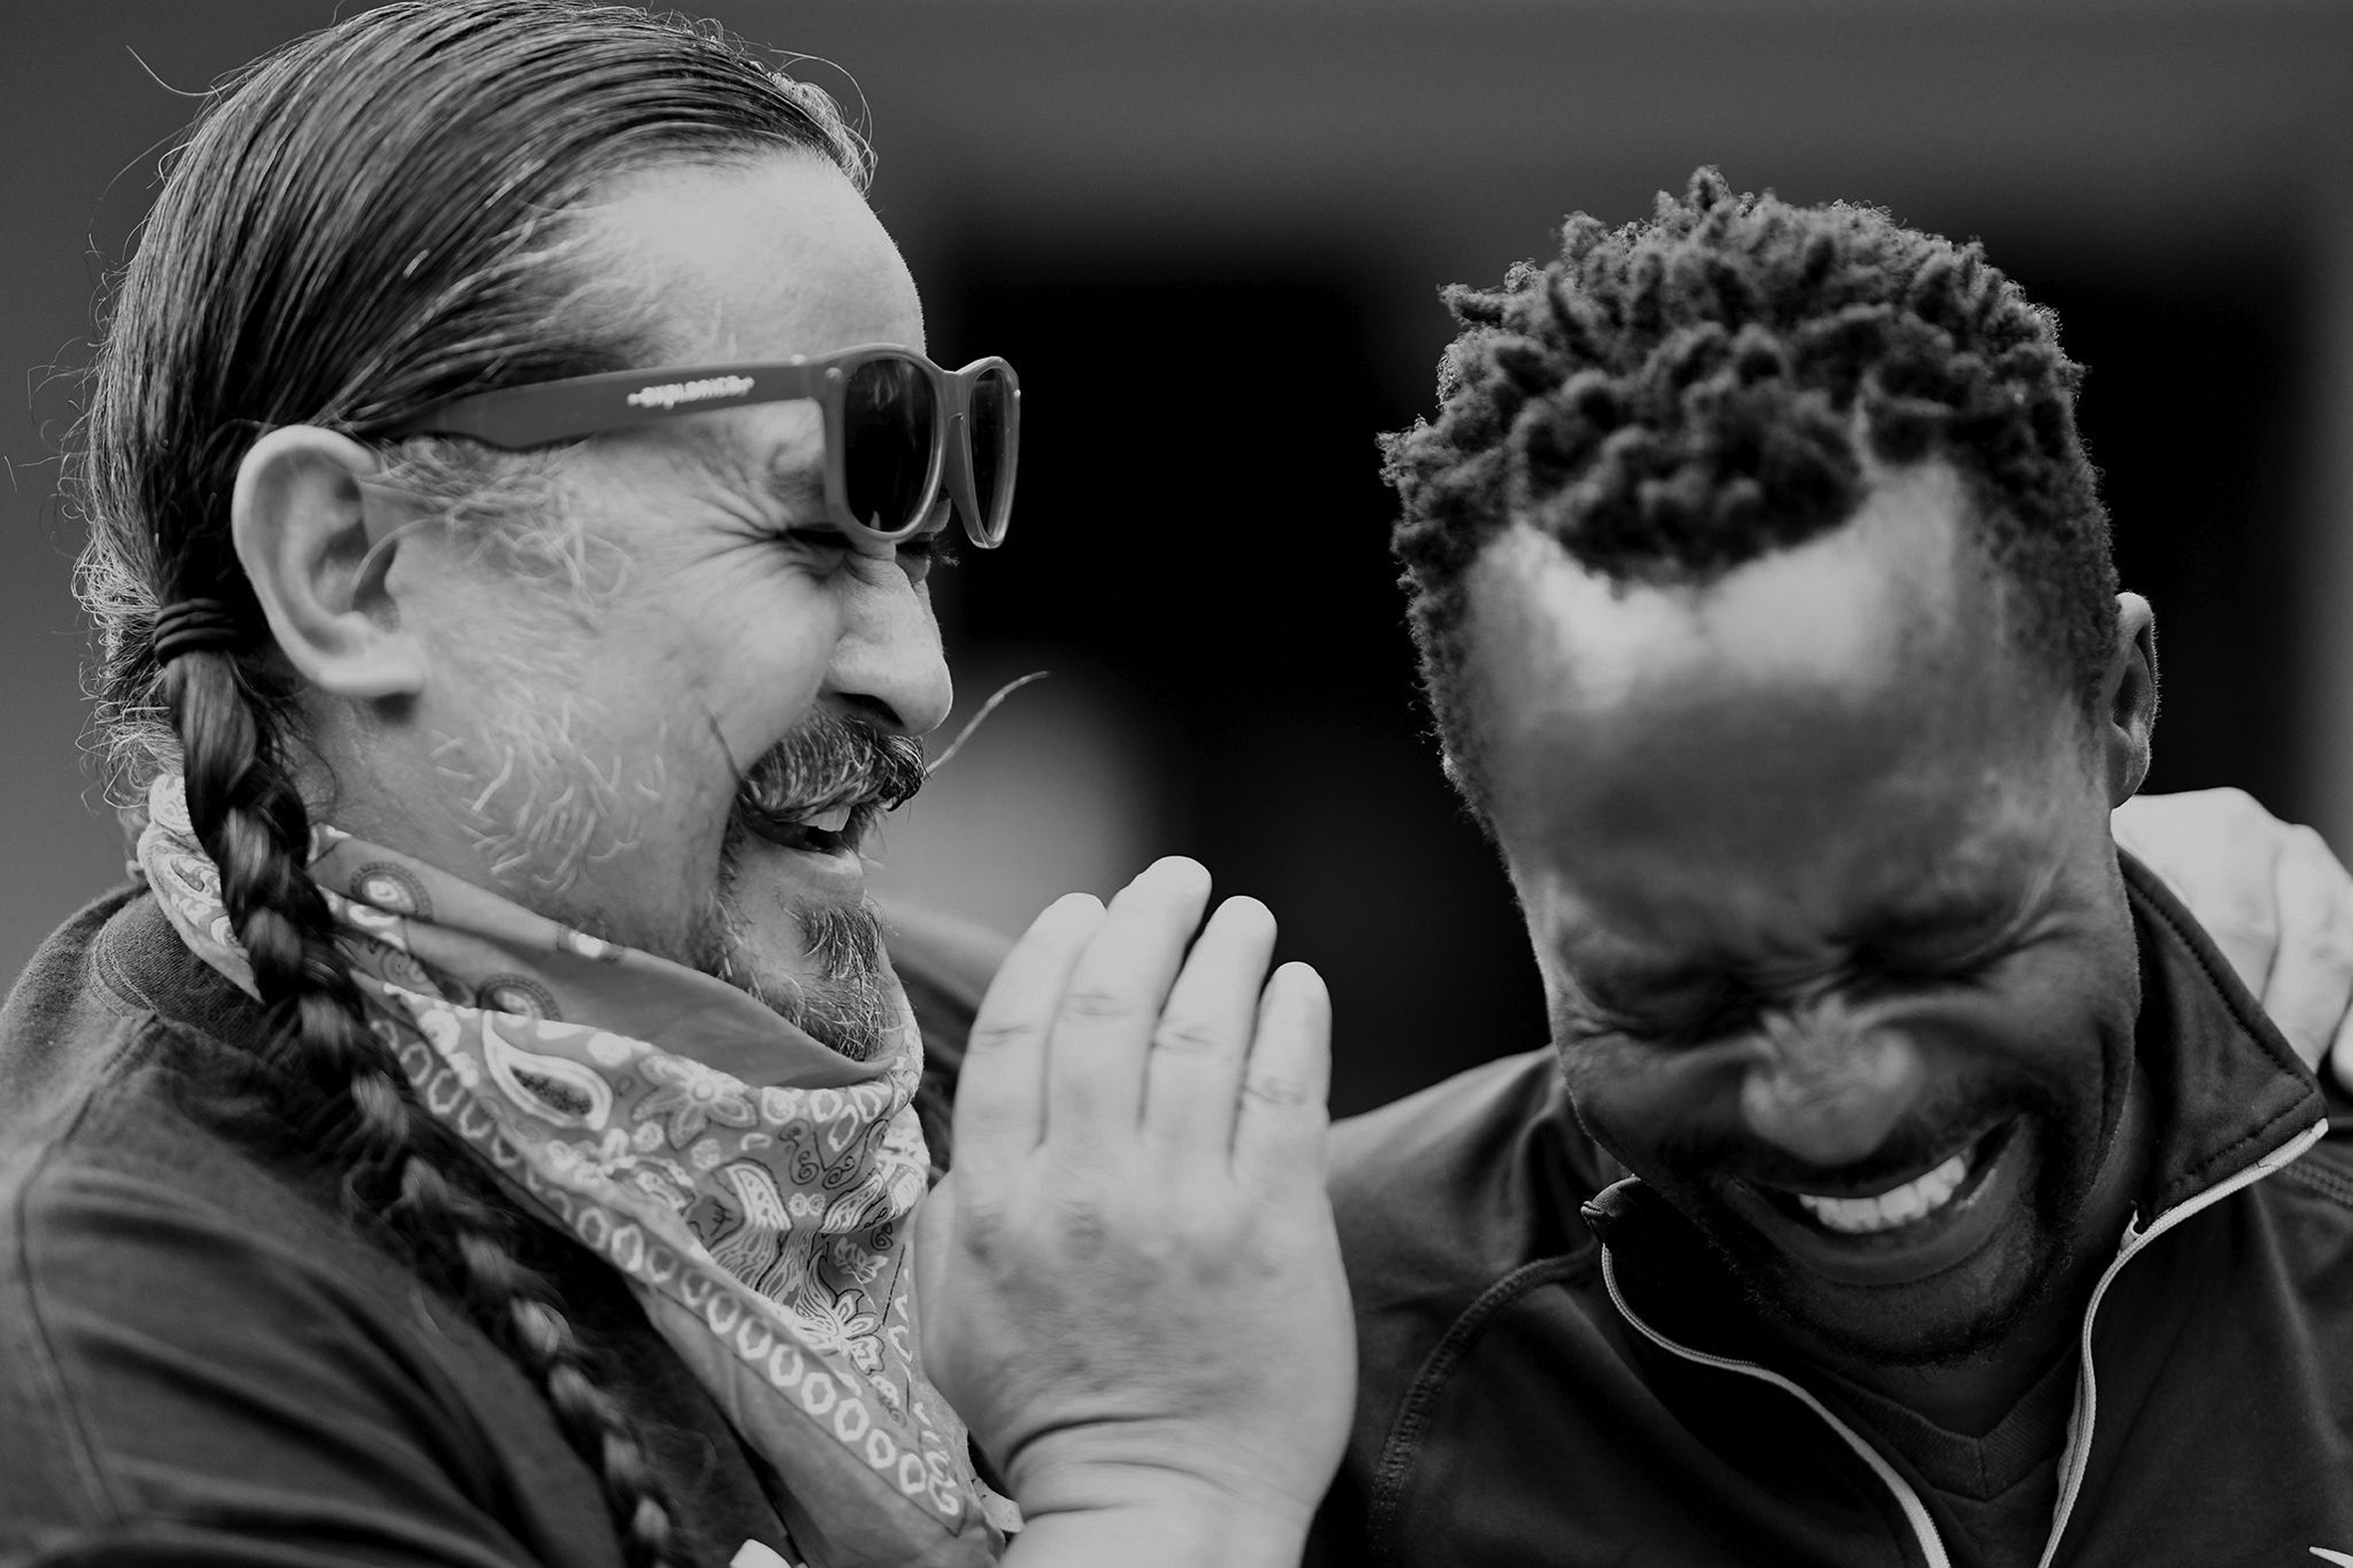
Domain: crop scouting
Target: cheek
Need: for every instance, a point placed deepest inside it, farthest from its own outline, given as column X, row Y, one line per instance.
column 1638, row 1101
column 753, row 663
column 2064, row 1006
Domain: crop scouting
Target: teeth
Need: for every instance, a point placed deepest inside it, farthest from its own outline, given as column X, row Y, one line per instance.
column 1913, row 1200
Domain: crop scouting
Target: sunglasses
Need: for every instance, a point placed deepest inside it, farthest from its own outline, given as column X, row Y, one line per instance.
column 897, row 427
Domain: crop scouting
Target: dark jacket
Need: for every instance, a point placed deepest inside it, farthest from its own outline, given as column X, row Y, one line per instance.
column 201, row 1362
column 1511, row 1411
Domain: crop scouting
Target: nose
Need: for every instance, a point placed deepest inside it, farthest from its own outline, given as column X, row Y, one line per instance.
column 1829, row 1088
column 889, row 662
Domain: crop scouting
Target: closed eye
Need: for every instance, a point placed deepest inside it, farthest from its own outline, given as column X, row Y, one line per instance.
column 828, row 543
column 1900, row 969
column 1700, row 1014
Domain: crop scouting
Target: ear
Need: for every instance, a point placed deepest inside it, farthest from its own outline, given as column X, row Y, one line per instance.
column 317, row 546
column 2129, row 706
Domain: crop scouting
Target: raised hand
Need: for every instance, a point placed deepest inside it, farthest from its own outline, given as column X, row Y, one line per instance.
column 1130, row 1284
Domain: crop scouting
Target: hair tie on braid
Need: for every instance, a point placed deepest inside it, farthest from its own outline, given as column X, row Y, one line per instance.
column 194, row 626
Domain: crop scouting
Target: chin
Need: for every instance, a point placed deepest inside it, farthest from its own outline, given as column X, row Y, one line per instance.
column 1958, row 1313
column 817, row 965
column 1950, row 1319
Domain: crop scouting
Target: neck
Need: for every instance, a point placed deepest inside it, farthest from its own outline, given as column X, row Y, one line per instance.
column 1972, row 1396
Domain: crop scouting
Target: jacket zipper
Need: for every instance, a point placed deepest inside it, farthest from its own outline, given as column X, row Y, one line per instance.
column 2079, row 1439
column 1914, row 1512
column 2078, row 1445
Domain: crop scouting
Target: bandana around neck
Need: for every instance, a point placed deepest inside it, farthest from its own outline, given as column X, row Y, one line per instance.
column 754, row 1187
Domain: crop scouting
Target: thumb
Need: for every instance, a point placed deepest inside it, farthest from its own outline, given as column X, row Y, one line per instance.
column 933, row 1244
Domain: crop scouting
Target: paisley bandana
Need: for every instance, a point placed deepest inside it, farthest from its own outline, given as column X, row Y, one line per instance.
column 754, row 1187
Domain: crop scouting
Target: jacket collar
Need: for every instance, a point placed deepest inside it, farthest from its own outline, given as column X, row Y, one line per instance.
column 2225, row 1088
column 2229, row 1089
column 141, row 959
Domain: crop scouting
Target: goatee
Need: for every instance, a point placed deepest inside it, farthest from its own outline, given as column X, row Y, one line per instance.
column 846, row 1002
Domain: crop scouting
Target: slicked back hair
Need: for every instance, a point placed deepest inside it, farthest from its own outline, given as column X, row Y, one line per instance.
column 1675, row 399
column 373, row 217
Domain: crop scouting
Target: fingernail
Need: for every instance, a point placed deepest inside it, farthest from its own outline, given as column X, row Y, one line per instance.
column 1071, row 909
column 1296, row 987
column 1180, row 870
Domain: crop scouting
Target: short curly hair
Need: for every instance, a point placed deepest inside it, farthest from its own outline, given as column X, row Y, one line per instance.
column 1671, row 400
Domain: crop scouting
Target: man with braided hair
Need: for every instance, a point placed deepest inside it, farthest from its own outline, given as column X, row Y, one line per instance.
column 488, row 1136
column 1910, row 1180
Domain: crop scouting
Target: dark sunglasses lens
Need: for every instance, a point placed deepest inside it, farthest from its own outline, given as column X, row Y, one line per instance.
column 888, row 420
column 992, row 432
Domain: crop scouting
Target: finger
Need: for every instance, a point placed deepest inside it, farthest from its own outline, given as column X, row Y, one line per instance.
column 2340, row 1056
column 2131, row 826
column 1095, row 1060
column 2310, row 985
column 2215, row 850
column 2197, row 838
column 934, row 1245
column 2244, row 924
column 1278, row 1137
column 2140, row 827
column 1194, row 1074
column 1001, row 1091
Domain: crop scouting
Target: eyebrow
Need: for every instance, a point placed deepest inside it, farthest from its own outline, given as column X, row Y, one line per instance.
column 1612, row 970
column 797, row 485
column 1937, row 914
column 1944, row 904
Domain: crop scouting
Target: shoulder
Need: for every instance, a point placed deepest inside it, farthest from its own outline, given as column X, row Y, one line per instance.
column 1443, row 1196
column 57, row 1024
column 1488, row 1168
column 2321, row 1179
column 200, row 1357
column 172, row 1328
column 190, row 1333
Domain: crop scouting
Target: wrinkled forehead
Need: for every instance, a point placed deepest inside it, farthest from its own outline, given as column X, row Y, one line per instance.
column 1853, row 701
column 1847, row 618
column 769, row 257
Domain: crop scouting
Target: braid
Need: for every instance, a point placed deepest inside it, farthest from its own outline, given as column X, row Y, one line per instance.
column 349, row 1102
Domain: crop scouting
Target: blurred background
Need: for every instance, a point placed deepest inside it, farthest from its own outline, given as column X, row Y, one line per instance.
column 1209, row 232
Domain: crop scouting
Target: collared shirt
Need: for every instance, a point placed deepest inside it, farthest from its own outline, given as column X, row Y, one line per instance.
column 1556, row 1368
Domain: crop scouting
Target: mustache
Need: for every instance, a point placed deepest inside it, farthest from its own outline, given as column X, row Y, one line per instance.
column 831, row 762
column 1924, row 1135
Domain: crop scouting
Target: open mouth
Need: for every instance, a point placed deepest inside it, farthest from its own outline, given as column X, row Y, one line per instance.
column 835, row 830
column 1950, row 1182
column 820, row 789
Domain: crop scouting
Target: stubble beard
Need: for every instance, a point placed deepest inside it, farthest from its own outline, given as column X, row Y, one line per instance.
column 841, row 993
column 2066, row 1164
column 845, row 1001
column 539, row 811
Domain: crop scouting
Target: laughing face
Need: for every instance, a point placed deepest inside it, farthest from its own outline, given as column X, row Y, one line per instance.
column 1818, row 868
column 682, row 744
